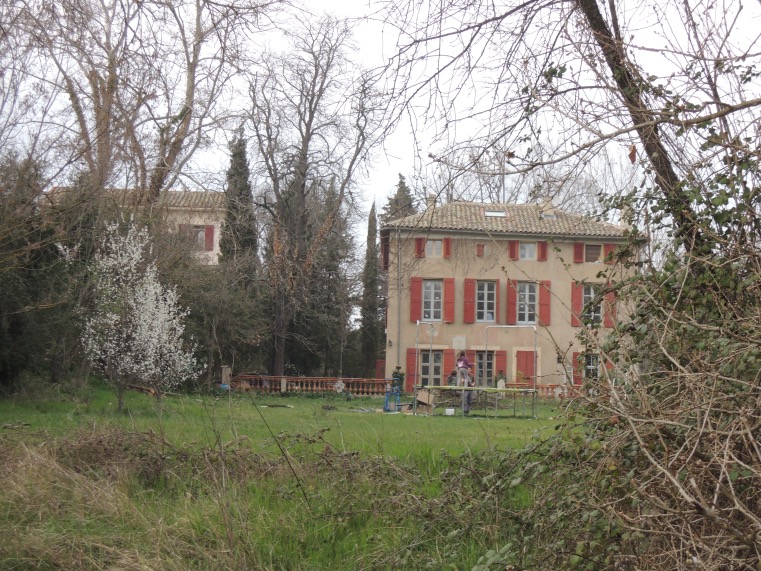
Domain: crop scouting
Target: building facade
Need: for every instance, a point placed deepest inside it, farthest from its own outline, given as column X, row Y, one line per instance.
column 197, row 215
column 511, row 284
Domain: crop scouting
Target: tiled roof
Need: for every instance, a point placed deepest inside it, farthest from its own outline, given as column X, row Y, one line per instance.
column 193, row 199
column 184, row 199
column 518, row 219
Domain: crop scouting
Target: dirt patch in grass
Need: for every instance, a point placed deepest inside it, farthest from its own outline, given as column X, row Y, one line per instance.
column 116, row 454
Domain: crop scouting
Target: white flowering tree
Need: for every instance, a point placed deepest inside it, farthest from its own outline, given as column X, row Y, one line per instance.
column 134, row 333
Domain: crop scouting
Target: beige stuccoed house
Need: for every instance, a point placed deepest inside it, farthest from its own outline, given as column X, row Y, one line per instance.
column 196, row 215
column 200, row 216
column 511, row 284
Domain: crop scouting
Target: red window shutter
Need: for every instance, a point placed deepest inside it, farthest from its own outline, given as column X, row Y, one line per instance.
column 609, row 310
column 416, row 299
column 448, row 300
column 512, row 302
column 448, row 363
column 420, row 247
column 500, row 362
column 578, row 252
column 480, row 250
column 497, row 295
column 410, row 377
column 512, row 246
column 447, row 246
column 384, row 251
column 577, row 302
column 209, row 238
column 608, row 250
column 544, row 302
column 578, row 367
column 469, row 313
column 541, row 254
column 525, row 366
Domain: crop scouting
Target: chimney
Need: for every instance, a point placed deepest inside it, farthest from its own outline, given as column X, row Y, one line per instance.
column 547, row 209
column 430, row 201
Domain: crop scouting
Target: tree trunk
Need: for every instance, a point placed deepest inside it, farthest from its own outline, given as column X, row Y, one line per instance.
column 630, row 85
column 119, row 396
column 278, row 357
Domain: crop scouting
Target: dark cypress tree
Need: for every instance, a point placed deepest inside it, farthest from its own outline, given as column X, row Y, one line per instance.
column 319, row 328
column 400, row 205
column 239, row 235
column 370, row 325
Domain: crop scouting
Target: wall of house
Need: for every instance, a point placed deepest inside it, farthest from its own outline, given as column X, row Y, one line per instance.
column 208, row 221
column 469, row 258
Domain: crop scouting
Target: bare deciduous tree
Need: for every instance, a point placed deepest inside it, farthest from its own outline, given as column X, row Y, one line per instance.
column 314, row 122
column 509, row 75
column 576, row 186
column 135, row 88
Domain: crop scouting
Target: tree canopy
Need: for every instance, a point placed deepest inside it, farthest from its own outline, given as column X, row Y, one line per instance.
column 400, row 204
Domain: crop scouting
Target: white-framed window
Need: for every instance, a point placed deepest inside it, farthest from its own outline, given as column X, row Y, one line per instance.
column 486, row 301
column 526, row 302
column 432, row 300
column 591, row 366
column 592, row 312
column 484, row 368
column 495, row 214
column 430, row 367
column 434, row 248
column 527, row 251
column 593, row 253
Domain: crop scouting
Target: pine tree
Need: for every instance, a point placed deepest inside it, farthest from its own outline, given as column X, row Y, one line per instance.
column 400, row 205
column 239, row 236
column 370, row 326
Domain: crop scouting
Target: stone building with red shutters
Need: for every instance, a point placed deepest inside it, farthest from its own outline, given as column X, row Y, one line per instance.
column 200, row 217
column 511, row 284
column 197, row 215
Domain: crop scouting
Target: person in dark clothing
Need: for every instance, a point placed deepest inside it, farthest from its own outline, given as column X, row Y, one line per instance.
column 398, row 379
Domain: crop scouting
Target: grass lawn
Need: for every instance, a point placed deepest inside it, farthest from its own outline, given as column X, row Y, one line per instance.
column 246, row 482
column 209, row 420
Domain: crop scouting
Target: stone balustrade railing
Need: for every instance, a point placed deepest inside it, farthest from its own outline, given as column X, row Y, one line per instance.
column 285, row 384
column 362, row 387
